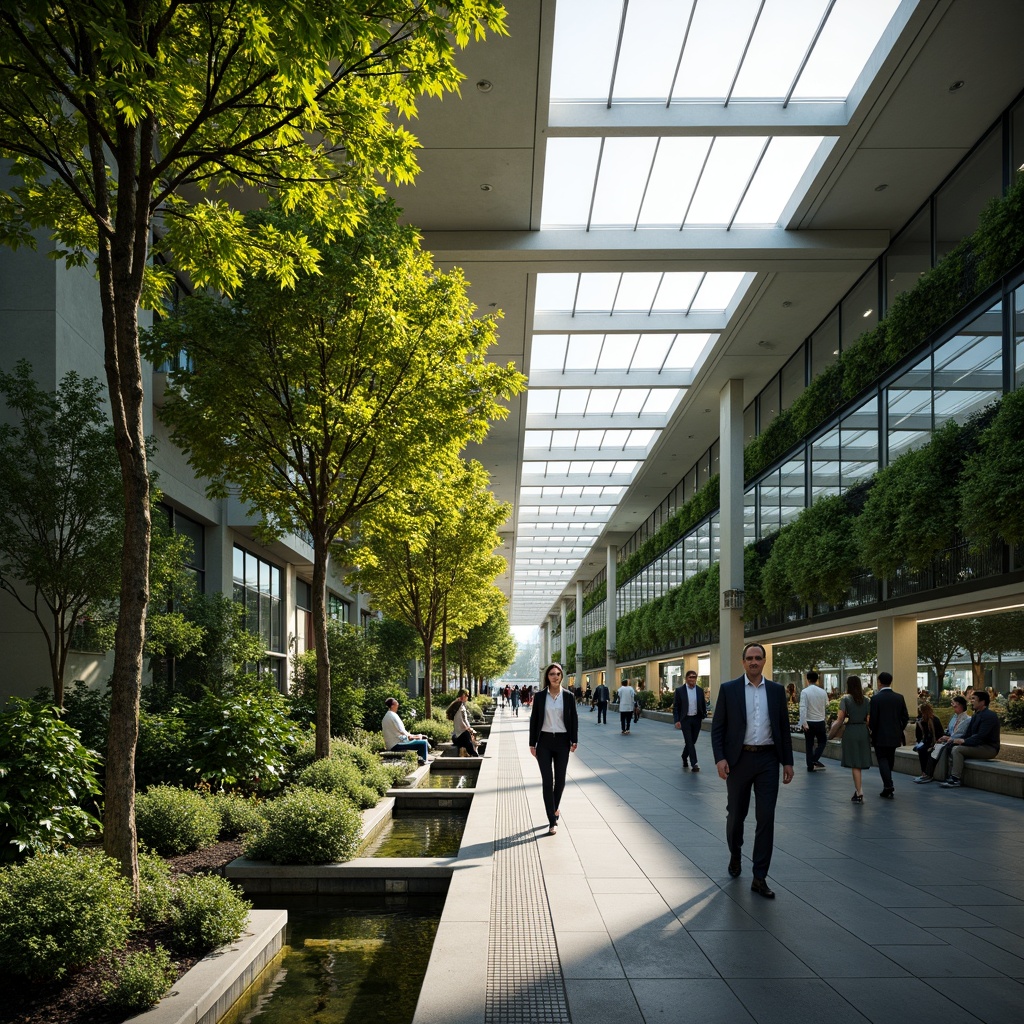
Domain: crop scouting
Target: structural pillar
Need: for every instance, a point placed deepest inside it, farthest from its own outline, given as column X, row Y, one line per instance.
column 897, row 654
column 563, row 651
column 545, row 651
column 610, row 617
column 730, row 616
column 579, row 632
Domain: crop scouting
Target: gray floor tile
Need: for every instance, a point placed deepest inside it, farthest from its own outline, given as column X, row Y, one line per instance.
column 935, row 961
column 888, row 1000
column 999, row 1001
column 602, row 1002
column 663, row 951
column 677, row 999
column 748, row 954
column 794, row 1001
column 588, row 954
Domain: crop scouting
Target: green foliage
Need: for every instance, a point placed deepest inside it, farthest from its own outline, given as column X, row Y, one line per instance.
column 60, row 911
column 208, row 913
column 45, row 777
column 306, row 826
column 374, row 706
column 238, row 814
column 141, row 980
column 1014, row 715
column 814, row 557
column 240, row 739
column 594, row 647
column 173, row 821
column 61, row 514
column 436, row 732
column 156, row 890
column 647, row 699
column 595, row 597
column 368, row 765
column 339, row 777
column 910, row 513
column 992, row 486
column 163, row 753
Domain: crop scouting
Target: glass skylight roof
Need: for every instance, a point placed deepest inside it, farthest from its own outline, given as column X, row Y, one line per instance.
column 664, row 115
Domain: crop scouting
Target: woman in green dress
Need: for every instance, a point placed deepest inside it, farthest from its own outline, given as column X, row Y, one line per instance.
column 853, row 712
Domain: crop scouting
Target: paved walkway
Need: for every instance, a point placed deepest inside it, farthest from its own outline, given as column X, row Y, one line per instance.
column 911, row 909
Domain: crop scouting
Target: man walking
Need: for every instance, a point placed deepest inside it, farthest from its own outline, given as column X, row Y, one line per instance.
column 750, row 739
column 813, row 711
column 601, row 698
column 887, row 722
column 627, row 701
column 689, row 709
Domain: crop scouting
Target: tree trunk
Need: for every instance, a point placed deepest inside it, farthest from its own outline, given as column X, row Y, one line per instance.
column 323, row 658
column 428, row 661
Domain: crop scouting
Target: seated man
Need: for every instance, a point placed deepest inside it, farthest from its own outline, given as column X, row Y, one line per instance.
column 937, row 763
column 397, row 737
column 980, row 742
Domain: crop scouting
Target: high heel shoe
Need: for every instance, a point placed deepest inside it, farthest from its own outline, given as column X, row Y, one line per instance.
column 857, row 798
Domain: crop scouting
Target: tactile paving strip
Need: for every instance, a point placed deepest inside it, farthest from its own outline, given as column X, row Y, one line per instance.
column 524, row 976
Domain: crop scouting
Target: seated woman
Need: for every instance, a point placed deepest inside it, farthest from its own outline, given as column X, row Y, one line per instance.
column 938, row 759
column 928, row 731
column 463, row 734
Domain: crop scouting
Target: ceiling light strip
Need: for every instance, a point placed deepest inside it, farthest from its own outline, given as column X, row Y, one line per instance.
column 807, row 54
column 743, row 56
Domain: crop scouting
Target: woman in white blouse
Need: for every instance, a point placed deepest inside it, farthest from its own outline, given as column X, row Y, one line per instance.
column 554, row 730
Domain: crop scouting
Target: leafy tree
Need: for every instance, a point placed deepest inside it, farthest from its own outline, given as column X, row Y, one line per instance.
column 321, row 402
column 938, row 643
column 992, row 485
column 397, row 645
column 123, row 117
column 487, row 649
column 449, row 559
column 992, row 635
column 60, row 507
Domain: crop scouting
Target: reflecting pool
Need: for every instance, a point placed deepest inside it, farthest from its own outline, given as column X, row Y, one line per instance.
column 419, row 834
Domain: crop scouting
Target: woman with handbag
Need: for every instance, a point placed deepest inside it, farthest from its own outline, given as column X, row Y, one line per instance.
column 852, row 723
column 928, row 730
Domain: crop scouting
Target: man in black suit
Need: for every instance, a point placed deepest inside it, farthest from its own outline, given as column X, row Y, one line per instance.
column 689, row 709
column 750, row 739
column 887, row 722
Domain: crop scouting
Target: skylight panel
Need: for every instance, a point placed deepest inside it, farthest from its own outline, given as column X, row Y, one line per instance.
column 686, row 350
column 564, row 438
column 636, row 292
column 776, row 179
column 647, row 59
column 584, row 351
column 625, row 163
column 641, row 438
column 596, row 292
column 572, row 401
column 584, row 29
column 541, row 403
column 673, row 178
column 570, row 169
column 651, row 351
column 537, row 438
column 843, row 48
column 677, row 291
column 784, row 32
column 728, row 169
column 548, row 351
column 582, row 468
column 556, row 293
column 614, row 439
column 618, row 351
column 626, row 467
column 718, row 291
column 631, row 401
column 661, row 400
column 718, row 34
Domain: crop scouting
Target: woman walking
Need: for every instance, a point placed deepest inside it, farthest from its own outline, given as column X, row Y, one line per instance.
column 554, row 730
column 463, row 733
column 853, row 712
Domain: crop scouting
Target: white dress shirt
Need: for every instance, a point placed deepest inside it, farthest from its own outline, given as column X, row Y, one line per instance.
column 554, row 713
column 759, row 727
column 813, row 704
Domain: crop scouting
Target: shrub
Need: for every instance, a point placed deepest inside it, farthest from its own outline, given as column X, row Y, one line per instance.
column 238, row 814
column 60, row 911
column 207, row 913
column 1014, row 717
column 144, row 978
column 397, row 771
column 156, row 890
column 369, row 766
column 435, row 732
column 173, row 821
column 340, row 777
column 240, row 739
column 372, row 741
column 306, row 826
column 45, row 774
column 162, row 755
column 647, row 699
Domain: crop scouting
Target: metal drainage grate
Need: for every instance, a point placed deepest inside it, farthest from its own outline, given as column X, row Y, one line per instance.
column 524, row 975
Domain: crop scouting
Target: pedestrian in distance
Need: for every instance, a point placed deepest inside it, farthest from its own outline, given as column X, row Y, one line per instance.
column 852, row 724
column 689, row 709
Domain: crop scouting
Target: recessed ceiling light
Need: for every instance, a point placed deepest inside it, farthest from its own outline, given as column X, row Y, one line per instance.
column 486, row 86
column 787, row 304
column 957, row 85
column 867, row 312
column 486, row 188
column 881, row 188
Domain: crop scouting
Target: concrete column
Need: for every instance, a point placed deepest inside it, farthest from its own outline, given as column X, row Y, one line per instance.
column 545, row 651
column 563, row 608
column 579, row 633
column 897, row 653
column 357, row 616
column 730, row 630
column 610, row 617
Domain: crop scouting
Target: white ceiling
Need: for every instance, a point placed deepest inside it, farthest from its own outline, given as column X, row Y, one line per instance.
column 655, row 226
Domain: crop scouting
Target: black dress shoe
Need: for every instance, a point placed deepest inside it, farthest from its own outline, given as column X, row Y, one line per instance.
column 886, row 794
column 760, row 886
column 695, row 768
column 735, row 866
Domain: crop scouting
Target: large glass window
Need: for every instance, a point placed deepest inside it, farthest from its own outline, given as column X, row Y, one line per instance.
column 909, row 257
column 750, row 515
column 858, row 312
column 825, row 465
column 768, row 404
column 968, row 369
column 1018, row 339
column 960, row 201
column 791, row 379
column 792, row 487
column 750, row 423
column 859, row 437
column 825, row 344
column 338, row 609
column 195, row 563
column 257, row 586
column 909, row 410
column 770, row 513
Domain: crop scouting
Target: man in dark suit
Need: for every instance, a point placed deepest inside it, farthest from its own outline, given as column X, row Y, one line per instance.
column 689, row 709
column 750, row 739
column 887, row 722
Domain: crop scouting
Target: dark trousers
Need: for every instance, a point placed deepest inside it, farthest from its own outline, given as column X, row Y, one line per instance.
column 465, row 740
column 814, row 742
column 602, row 712
column 553, row 759
column 626, row 718
column 886, row 762
column 690, row 725
column 756, row 771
